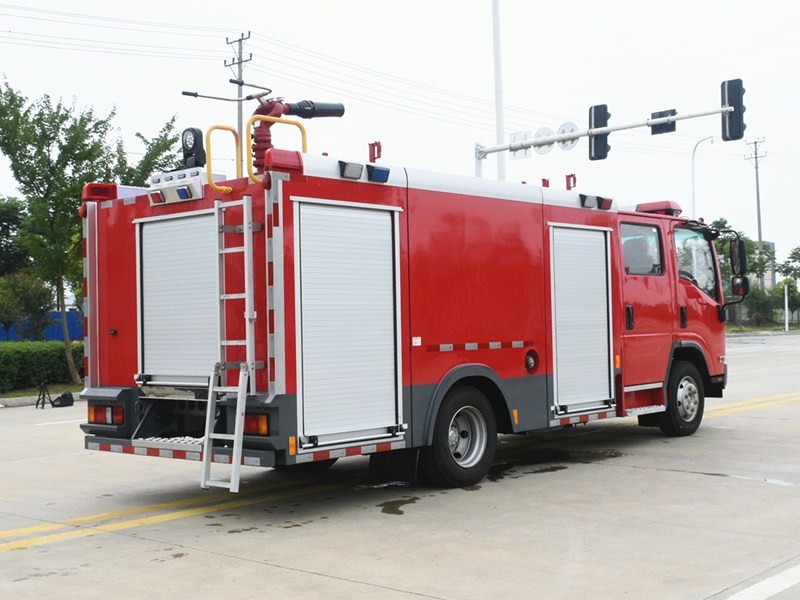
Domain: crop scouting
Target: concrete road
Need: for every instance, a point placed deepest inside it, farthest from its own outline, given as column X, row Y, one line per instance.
column 606, row 510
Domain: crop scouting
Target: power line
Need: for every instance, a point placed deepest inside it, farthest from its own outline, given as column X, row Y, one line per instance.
column 107, row 19
column 104, row 44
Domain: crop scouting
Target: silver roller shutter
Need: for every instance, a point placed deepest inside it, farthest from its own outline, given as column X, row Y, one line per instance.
column 347, row 322
column 581, row 318
column 179, row 306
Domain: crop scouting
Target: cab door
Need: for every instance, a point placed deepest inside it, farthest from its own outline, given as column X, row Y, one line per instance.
column 698, row 296
column 648, row 306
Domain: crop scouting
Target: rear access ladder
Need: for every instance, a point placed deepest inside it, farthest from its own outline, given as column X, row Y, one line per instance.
column 217, row 387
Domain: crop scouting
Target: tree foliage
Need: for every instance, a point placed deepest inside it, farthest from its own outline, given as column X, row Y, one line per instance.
column 758, row 264
column 791, row 267
column 13, row 255
column 25, row 301
column 793, row 295
column 54, row 150
column 155, row 159
column 10, row 305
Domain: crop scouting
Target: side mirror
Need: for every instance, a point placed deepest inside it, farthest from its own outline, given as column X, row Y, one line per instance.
column 740, row 286
column 738, row 256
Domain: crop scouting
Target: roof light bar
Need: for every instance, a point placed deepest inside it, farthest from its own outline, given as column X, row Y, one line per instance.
column 596, row 202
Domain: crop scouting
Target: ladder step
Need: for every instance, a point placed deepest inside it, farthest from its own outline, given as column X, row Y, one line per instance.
column 233, row 296
column 231, row 203
column 233, row 342
column 228, row 389
column 231, row 250
column 222, row 436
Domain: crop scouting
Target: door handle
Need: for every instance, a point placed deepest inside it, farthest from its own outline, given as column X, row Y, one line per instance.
column 684, row 317
column 629, row 317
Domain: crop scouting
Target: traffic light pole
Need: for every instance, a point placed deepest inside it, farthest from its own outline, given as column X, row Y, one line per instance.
column 481, row 152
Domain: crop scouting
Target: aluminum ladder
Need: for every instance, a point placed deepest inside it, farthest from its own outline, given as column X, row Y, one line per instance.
column 246, row 385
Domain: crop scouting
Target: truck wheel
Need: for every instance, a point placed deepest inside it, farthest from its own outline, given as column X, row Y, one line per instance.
column 464, row 440
column 685, row 400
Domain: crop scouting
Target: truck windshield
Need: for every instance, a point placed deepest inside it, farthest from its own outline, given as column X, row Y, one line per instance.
column 696, row 260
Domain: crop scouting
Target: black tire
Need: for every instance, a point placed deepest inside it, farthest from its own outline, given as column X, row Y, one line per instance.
column 685, row 400
column 464, row 440
column 307, row 467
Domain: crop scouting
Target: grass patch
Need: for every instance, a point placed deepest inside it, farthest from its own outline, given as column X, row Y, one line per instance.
column 770, row 328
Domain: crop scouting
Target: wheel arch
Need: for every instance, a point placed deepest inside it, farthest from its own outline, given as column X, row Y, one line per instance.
column 480, row 377
column 692, row 352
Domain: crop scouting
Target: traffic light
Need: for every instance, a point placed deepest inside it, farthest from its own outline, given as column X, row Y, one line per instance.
column 733, row 122
column 598, row 144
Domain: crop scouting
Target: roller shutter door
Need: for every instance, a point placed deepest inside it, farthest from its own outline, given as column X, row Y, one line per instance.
column 179, row 306
column 581, row 318
column 347, row 322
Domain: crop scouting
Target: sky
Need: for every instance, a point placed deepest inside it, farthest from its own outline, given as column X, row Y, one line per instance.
column 418, row 76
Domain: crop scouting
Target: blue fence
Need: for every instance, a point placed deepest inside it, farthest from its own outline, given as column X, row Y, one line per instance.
column 53, row 332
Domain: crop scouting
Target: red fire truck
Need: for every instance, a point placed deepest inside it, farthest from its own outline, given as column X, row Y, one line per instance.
column 320, row 308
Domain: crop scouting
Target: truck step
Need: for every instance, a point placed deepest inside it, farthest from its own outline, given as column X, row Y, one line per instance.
column 645, row 410
column 192, row 444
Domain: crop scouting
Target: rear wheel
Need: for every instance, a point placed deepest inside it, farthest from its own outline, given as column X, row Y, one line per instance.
column 685, row 400
column 464, row 439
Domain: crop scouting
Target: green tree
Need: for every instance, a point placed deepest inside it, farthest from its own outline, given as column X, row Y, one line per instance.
column 13, row 255
column 757, row 264
column 779, row 296
column 10, row 304
column 760, row 306
column 54, row 150
column 722, row 246
column 156, row 157
column 37, row 304
column 791, row 267
column 25, row 301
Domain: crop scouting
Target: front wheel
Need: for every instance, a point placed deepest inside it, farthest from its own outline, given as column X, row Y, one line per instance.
column 685, row 400
column 464, row 440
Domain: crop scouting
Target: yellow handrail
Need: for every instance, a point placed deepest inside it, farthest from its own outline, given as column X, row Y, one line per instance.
column 250, row 123
column 223, row 189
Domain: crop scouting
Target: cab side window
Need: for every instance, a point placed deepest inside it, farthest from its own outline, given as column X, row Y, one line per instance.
column 641, row 249
column 696, row 260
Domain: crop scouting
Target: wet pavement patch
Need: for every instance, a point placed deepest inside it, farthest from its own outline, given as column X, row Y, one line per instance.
column 394, row 507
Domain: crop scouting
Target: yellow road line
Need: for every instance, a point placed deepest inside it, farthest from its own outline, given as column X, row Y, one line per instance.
column 204, row 499
column 752, row 401
column 162, row 518
column 722, row 411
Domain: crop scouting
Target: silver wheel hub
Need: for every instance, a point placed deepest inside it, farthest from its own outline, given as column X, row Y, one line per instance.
column 688, row 399
column 467, row 437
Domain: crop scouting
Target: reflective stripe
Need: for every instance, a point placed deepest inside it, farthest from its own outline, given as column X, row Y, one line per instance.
column 582, row 418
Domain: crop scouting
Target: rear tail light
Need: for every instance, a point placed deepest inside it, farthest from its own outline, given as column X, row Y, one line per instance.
column 107, row 415
column 256, row 425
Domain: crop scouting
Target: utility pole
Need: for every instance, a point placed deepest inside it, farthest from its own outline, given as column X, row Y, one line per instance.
column 498, row 89
column 755, row 157
column 239, row 61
